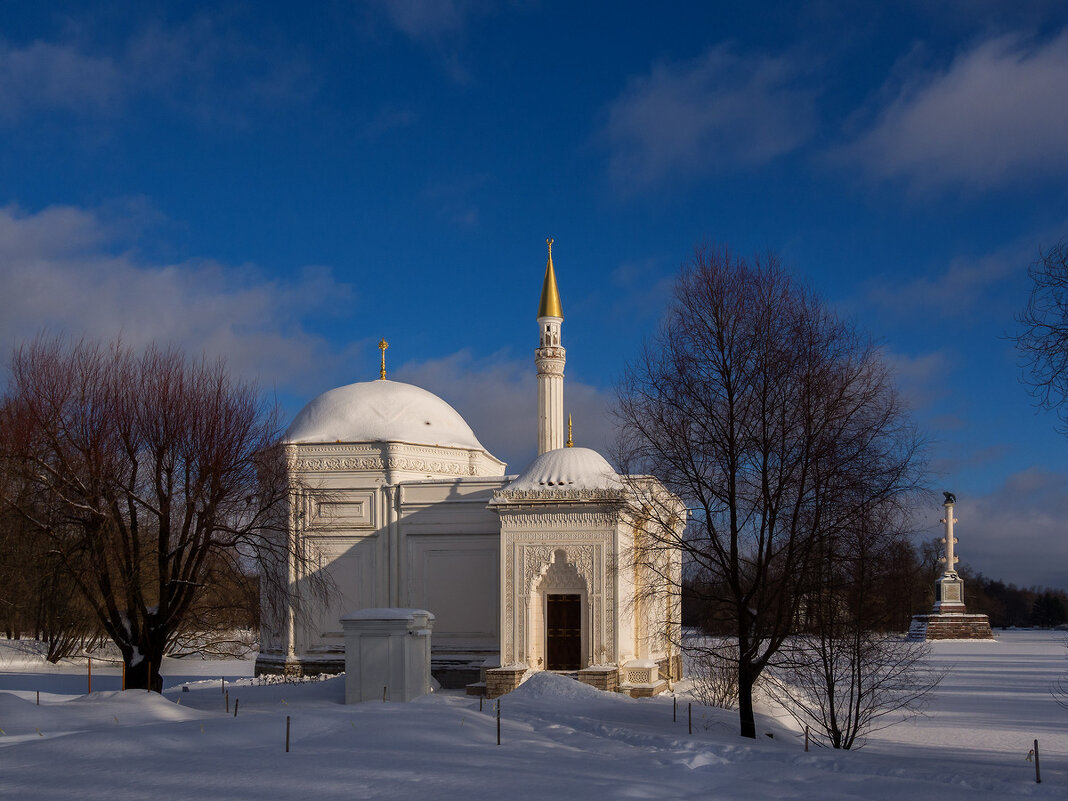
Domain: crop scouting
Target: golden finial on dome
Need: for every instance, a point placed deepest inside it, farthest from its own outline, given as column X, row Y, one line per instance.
column 550, row 297
column 570, row 443
column 382, row 347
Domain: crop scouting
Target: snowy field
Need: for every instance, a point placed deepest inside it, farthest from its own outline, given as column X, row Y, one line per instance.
column 560, row 739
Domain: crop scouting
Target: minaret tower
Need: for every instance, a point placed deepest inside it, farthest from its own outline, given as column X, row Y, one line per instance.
column 549, row 358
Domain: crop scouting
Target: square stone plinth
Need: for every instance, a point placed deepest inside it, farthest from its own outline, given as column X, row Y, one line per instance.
column 503, row 680
column 950, row 627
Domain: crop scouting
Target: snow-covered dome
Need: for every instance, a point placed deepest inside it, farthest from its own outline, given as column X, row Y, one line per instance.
column 567, row 469
column 382, row 411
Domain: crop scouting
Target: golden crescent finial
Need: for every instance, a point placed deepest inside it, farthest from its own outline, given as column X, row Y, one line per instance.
column 550, row 296
column 382, row 347
column 570, row 443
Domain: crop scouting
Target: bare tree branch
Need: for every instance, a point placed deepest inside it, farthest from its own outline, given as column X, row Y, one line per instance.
column 1043, row 342
column 759, row 408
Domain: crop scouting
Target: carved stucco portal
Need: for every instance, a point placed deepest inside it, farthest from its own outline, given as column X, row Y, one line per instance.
column 546, row 564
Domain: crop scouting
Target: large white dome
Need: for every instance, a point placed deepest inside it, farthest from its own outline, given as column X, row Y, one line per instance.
column 382, row 411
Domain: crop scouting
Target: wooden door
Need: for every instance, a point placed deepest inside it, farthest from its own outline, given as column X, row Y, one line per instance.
column 563, row 632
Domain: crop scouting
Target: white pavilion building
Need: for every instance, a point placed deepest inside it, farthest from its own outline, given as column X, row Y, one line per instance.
column 522, row 572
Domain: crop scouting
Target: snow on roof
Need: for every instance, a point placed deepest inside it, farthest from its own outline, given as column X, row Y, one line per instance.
column 570, row 469
column 382, row 411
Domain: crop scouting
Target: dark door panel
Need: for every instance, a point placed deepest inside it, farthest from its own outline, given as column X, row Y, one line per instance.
column 563, row 632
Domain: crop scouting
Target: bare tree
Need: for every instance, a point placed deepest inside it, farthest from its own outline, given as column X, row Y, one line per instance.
column 848, row 685
column 37, row 600
column 1059, row 688
column 162, row 480
column 842, row 674
column 1043, row 342
column 758, row 407
column 713, row 670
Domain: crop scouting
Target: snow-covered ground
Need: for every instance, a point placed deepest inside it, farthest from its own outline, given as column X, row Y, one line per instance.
column 560, row 739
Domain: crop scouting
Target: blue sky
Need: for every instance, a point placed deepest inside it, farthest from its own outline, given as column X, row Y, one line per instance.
column 284, row 185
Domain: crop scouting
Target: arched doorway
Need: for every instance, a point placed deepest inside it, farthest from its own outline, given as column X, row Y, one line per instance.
column 559, row 620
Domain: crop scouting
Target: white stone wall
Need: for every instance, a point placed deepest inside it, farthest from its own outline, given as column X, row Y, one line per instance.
column 392, row 525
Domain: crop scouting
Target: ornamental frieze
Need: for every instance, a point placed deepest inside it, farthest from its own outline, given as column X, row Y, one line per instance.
column 564, row 520
column 583, row 494
column 339, row 463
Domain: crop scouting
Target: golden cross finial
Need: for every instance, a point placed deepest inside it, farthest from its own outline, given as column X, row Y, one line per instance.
column 549, row 242
column 570, row 444
column 382, row 347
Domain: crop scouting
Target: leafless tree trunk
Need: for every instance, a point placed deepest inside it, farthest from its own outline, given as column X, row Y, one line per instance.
column 758, row 407
column 37, row 599
column 843, row 675
column 1043, row 342
column 163, row 478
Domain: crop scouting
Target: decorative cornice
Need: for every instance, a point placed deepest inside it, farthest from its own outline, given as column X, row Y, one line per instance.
column 342, row 463
column 378, row 448
column 561, row 525
column 557, row 494
column 379, row 457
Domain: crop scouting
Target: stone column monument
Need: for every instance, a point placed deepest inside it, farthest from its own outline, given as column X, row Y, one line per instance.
column 949, row 620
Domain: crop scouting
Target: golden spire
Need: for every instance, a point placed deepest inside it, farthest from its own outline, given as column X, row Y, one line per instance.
column 569, row 443
column 550, row 297
column 382, row 347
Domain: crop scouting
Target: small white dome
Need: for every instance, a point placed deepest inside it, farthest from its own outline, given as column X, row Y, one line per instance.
column 568, row 469
column 382, row 411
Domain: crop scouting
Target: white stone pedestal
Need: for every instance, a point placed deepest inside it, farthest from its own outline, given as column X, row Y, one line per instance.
column 387, row 654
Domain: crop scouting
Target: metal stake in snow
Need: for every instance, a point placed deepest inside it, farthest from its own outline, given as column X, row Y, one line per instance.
column 287, row 734
column 1038, row 776
column 674, row 709
column 90, row 690
column 236, row 702
column 689, row 715
column 227, row 702
column 498, row 721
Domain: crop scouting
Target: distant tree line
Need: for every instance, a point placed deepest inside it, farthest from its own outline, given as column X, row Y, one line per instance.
column 903, row 585
column 1008, row 605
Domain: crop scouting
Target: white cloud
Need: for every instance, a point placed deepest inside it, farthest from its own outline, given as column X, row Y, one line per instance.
column 63, row 269
column 921, row 378
column 998, row 114
column 498, row 397
column 954, row 290
column 427, row 20
column 721, row 111
column 201, row 66
column 439, row 26
column 45, row 75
